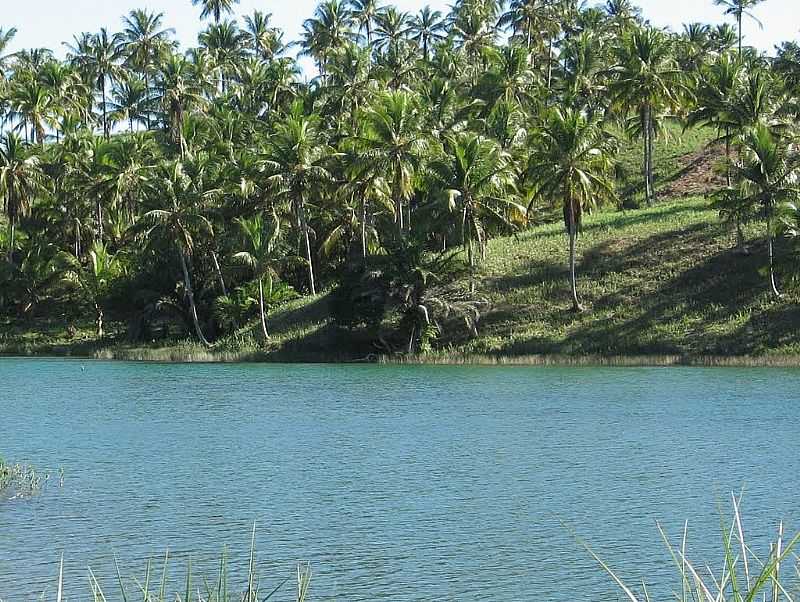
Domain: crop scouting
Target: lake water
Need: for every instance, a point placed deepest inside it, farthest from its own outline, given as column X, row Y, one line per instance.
column 396, row 483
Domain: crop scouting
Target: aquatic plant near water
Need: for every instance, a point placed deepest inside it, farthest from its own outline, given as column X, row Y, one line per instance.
column 19, row 480
column 193, row 589
column 743, row 576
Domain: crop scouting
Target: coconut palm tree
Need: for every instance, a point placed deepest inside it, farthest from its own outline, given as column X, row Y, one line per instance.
column 391, row 27
column 215, row 8
column 21, row 180
column 364, row 13
column 180, row 222
column 327, row 31
column 394, row 144
column 143, row 41
column 265, row 41
column 739, row 9
column 427, row 28
column 31, row 106
column 647, row 82
column 296, row 170
column 768, row 178
column 570, row 165
column 262, row 256
column 225, row 44
column 98, row 56
column 95, row 278
column 476, row 181
column 6, row 37
column 129, row 102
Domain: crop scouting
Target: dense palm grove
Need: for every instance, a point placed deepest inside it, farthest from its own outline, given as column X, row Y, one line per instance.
column 194, row 191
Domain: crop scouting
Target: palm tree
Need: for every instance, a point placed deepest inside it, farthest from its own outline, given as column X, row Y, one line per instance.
column 476, row 180
column 261, row 256
column 570, row 165
column 31, row 105
column 97, row 57
column 296, row 171
column 327, row 31
column 215, row 8
column 129, row 101
column 391, row 27
column 143, row 41
column 179, row 91
column 648, row 82
column 427, row 28
column 768, row 178
column 21, row 179
column 394, row 144
column 94, row 279
column 6, row 37
column 263, row 40
column 180, row 222
column 739, row 8
column 225, row 44
column 364, row 13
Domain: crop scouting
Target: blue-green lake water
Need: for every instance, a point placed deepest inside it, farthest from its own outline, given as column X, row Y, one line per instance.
column 396, row 483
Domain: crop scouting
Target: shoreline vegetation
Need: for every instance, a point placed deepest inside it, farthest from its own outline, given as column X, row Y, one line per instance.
column 566, row 186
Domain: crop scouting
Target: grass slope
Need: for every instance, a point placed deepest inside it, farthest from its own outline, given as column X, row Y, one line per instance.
column 662, row 280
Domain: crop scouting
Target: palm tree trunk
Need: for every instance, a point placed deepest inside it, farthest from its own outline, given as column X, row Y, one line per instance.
column 11, row 233
column 650, row 142
column 573, row 230
column 364, row 227
column 99, row 314
column 262, row 309
column 550, row 64
column 307, row 241
column 771, row 252
column 398, row 201
column 648, row 167
column 728, row 179
column 218, row 270
column 146, row 96
column 99, row 218
column 105, row 115
column 739, row 24
column 187, row 284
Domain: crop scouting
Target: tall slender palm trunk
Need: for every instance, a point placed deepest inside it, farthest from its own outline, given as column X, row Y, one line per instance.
column 364, row 227
column 187, row 285
column 262, row 309
column 98, row 209
column 11, row 233
column 771, row 252
column 307, row 244
column 106, row 131
column 98, row 310
column 218, row 271
column 648, row 167
column 573, row 232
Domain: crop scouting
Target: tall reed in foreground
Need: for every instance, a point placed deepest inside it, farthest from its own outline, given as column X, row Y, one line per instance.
column 155, row 588
column 743, row 576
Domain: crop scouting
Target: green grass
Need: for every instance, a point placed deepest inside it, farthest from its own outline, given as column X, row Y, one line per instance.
column 674, row 156
column 659, row 281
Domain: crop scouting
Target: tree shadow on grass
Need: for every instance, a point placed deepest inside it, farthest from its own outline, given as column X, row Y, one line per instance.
column 678, row 292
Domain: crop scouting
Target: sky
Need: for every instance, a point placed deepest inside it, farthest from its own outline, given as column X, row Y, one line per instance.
column 48, row 23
